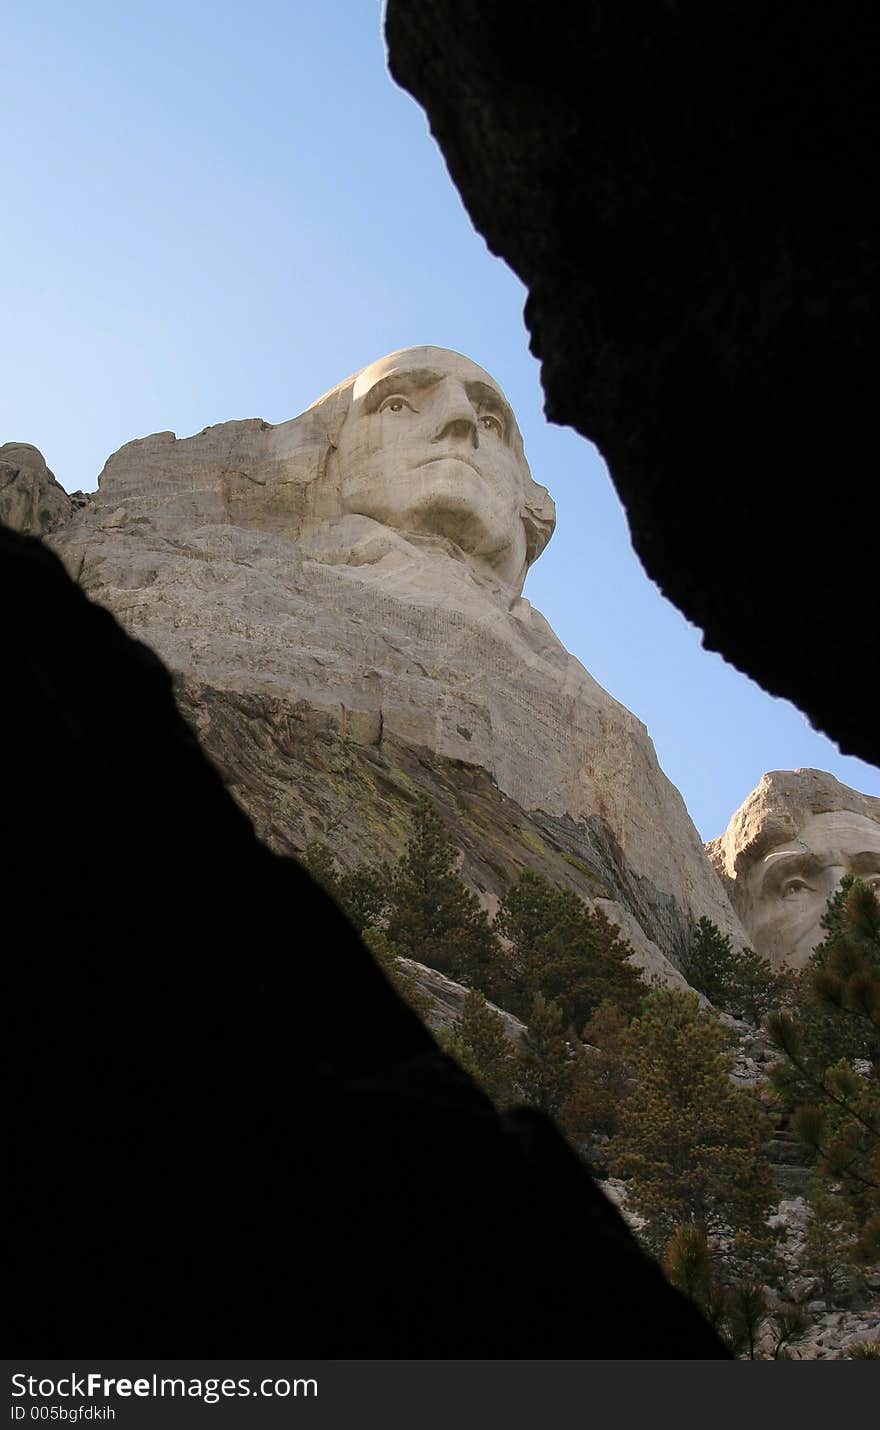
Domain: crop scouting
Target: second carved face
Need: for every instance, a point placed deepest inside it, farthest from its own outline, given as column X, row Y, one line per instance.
column 787, row 890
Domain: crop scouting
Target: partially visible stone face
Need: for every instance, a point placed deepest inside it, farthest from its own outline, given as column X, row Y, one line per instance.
column 788, row 888
column 785, row 852
column 430, row 446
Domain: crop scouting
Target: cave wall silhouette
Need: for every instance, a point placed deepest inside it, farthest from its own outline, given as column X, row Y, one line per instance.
column 686, row 191
column 227, row 1135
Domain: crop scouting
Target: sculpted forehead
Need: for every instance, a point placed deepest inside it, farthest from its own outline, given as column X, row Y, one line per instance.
column 823, row 840
column 443, row 361
column 838, row 831
column 424, row 365
column 790, row 860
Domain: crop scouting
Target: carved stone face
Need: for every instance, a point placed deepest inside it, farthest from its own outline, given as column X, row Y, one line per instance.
column 788, row 888
column 431, row 447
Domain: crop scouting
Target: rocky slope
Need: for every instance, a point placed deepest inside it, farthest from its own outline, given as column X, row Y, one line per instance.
column 301, row 774
column 31, row 500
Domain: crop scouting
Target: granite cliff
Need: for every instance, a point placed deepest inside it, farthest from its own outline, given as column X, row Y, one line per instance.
column 340, row 644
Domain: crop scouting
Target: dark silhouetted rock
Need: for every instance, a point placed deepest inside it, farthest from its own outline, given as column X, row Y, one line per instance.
column 685, row 191
column 227, row 1134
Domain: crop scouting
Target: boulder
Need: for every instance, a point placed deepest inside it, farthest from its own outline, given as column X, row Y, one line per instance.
column 31, row 500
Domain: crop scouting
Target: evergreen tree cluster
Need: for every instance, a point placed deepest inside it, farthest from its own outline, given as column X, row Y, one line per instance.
column 739, row 1312
column 688, row 1140
column 544, row 943
column 736, row 981
column 828, row 1074
column 637, row 1079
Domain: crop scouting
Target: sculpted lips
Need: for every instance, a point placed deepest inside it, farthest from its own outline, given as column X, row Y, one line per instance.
column 452, row 457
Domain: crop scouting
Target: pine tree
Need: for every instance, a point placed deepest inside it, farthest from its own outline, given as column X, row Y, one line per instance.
column 734, row 980
column 828, row 1073
column 451, row 1042
column 563, row 950
column 845, row 975
column 787, row 1325
column 433, row 917
column 688, row 1264
column 740, row 1312
column 829, row 1028
column 689, row 1142
column 362, row 893
column 320, row 861
column 601, row 1077
column 483, row 1047
column 546, row 1067
column 830, row 1249
column 747, row 1311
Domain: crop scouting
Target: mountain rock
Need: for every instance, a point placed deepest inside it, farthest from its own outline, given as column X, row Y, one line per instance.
column 445, row 1000
column 308, row 580
column 31, row 500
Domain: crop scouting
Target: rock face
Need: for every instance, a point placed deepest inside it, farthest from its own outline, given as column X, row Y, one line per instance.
column 445, row 1000
column 31, row 500
column 650, row 172
column 785, row 851
column 224, row 1129
column 359, row 568
column 300, row 779
column 832, row 1328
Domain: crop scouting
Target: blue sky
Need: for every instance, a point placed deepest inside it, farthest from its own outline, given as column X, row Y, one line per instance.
column 216, row 211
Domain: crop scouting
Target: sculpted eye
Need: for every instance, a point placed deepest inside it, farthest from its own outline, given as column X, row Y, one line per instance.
column 490, row 423
column 396, row 403
column 792, row 888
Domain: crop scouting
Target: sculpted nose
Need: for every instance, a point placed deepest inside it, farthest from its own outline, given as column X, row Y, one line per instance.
column 454, row 416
